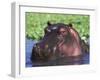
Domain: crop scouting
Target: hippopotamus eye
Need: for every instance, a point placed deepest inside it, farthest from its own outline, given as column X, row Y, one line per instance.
column 62, row 31
column 54, row 28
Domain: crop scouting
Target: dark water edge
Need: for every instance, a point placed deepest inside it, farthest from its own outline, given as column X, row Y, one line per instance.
column 28, row 47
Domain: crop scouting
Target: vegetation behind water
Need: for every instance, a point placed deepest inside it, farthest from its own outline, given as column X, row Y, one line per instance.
column 36, row 22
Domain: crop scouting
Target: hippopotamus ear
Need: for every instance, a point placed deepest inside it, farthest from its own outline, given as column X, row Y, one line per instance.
column 46, row 30
column 49, row 23
column 70, row 25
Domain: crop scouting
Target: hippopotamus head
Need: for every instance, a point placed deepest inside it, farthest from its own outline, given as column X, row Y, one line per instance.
column 60, row 41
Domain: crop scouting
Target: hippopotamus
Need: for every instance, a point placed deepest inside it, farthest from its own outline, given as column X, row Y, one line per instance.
column 61, row 45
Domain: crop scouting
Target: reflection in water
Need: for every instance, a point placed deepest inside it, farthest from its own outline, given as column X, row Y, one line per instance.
column 61, row 61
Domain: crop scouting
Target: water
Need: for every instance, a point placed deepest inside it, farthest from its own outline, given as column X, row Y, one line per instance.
column 29, row 45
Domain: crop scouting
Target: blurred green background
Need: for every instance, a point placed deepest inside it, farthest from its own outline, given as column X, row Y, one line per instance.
column 36, row 22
